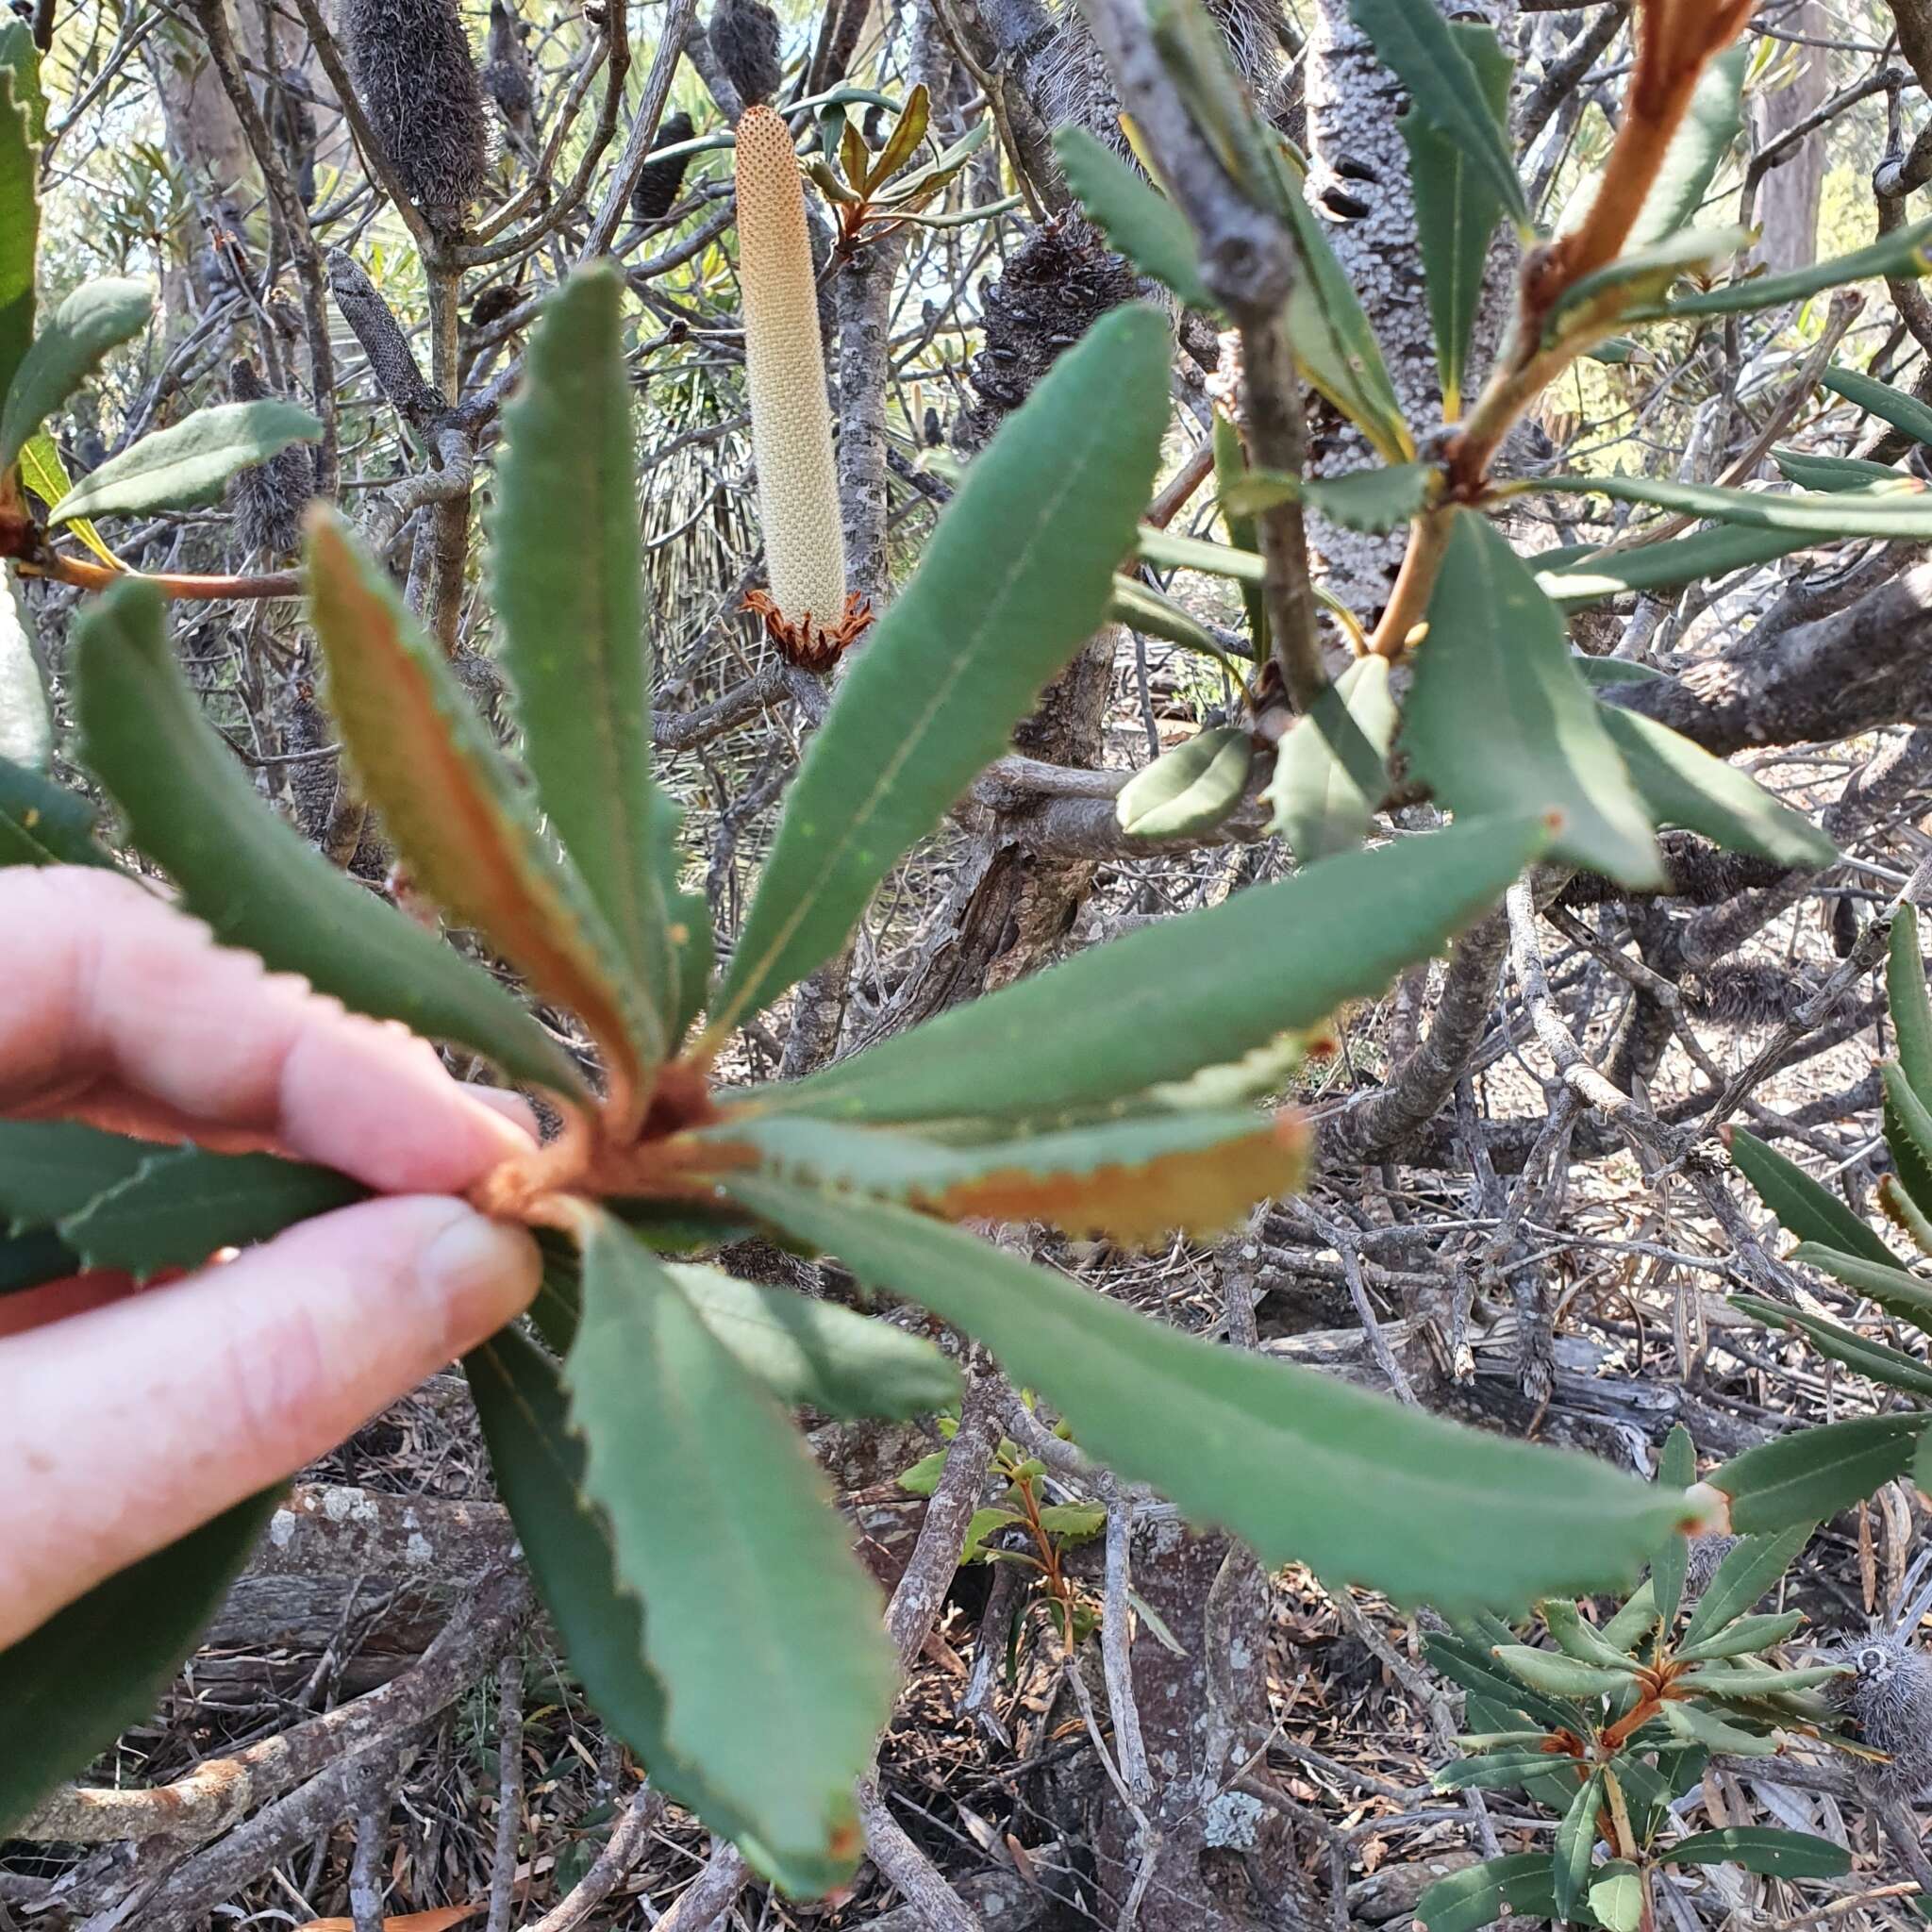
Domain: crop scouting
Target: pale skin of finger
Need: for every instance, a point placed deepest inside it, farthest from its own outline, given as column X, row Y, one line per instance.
column 122, row 1011
column 123, row 1426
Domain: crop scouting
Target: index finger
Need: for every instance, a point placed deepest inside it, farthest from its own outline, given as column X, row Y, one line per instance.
column 112, row 995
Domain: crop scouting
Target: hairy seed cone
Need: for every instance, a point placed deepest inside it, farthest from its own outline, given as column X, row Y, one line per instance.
column 659, row 182
column 1891, row 1698
column 744, row 36
column 785, row 367
column 411, row 65
column 268, row 500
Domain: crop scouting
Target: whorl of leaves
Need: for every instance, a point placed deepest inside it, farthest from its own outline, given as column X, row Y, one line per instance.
column 412, row 68
column 659, row 182
column 1891, row 1697
column 744, row 36
column 1054, row 289
column 267, row 501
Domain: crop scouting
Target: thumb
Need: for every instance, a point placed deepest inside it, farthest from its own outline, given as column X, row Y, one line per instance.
column 130, row 1423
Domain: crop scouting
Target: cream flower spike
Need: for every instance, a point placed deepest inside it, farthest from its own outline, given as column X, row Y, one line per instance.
column 807, row 611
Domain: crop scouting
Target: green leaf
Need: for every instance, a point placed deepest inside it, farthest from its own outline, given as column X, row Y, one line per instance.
column 1575, row 1840
column 1635, row 1620
column 190, row 463
column 815, row 1353
column 1189, row 789
column 52, row 1169
column 1903, row 1211
column 724, row 1526
column 26, row 725
column 1800, row 1479
column 1373, row 500
column 45, row 824
column 1579, row 1638
column 1745, row 1638
column 1607, row 674
column 1810, row 472
column 1676, row 1469
column 1585, row 310
column 1902, row 509
column 1761, row 1848
column 1556, row 1675
column 1471, row 1663
column 568, row 579
column 1136, row 1180
column 22, row 59
column 1890, row 1366
column 1910, row 1003
column 1331, row 770
column 30, row 1260
column 1900, row 256
column 1697, row 1725
column 1169, row 552
column 1616, row 1900
column 1478, row 1896
column 1456, row 210
column 1017, row 576
column 903, row 142
column 1729, row 1680
column 1500, row 722
column 1888, row 1284
column 1908, row 1134
column 539, row 1463
column 255, row 882
column 465, row 828
column 1705, row 554
column 1142, row 607
column 179, row 1207
column 20, row 225
column 1447, row 90
column 45, row 475
column 1262, row 964
column 1704, row 136
column 1134, row 215
column 1504, row 1771
column 97, row 317
column 68, row 1688
column 1334, row 342
column 1750, row 1567
column 1377, row 1494
column 1893, row 406
column 1681, row 784
column 1805, row 1207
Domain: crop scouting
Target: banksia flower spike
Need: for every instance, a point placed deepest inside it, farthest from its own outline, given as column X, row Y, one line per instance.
column 807, row 613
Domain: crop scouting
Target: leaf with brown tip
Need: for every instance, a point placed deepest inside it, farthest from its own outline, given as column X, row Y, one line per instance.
column 465, row 831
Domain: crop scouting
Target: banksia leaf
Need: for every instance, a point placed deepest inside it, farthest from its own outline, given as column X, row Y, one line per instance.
column 785, row 369
column 568, row 575
column 411, row 65
column 255, row 882
column 1135, row 1181
column 722, row 1525
column 442, row 788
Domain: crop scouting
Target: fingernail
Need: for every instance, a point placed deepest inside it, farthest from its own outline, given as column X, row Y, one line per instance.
column 484, row 1271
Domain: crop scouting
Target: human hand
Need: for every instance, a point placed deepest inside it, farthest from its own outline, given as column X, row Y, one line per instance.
column 128, row 1416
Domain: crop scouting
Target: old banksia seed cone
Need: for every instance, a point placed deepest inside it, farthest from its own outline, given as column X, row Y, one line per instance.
column 652, row 199
column 806, row 611
column 1892, row 1697
column 410, row 61
column 745, row 38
